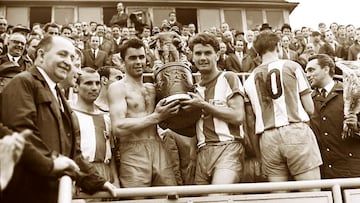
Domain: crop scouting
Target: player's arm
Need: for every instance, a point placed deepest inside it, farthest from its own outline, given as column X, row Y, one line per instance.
column 122, row 125
column 232, row 112
column 307, row 103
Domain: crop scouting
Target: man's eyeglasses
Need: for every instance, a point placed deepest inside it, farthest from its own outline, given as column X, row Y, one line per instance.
column 3, row 24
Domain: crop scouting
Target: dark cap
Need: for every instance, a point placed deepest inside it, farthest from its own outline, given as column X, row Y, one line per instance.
column 265, row 26
column 20, row 28
column 315, row 33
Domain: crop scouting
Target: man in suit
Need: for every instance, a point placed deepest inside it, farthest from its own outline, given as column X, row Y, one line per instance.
column 116, row 38
column 15, row 52
column 287, row 52
column 121, row 17
column 239, row 61
column 17, row 153
column 106, row 44
column 331, row 47
column 94, row 57
column 33, row 101
column 339, row 150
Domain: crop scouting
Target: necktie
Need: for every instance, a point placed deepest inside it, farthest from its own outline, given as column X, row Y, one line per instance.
column 58, row 94
column 94, row 53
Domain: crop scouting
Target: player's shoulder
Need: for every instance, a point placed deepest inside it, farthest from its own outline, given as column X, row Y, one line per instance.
column 291, row 64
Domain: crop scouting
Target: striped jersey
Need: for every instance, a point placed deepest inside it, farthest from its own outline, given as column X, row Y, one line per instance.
column 94, row 136
column 210, row 129
column 274, row 91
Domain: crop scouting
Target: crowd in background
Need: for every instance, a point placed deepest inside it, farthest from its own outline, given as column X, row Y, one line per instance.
column 98, row 49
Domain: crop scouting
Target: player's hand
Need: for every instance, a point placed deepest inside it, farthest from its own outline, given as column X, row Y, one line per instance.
column 167, row 109
column 110, row 188
column 196, row 101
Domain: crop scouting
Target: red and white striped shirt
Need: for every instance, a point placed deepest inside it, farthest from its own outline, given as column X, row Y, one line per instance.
column 210, row 129
column 274, row 91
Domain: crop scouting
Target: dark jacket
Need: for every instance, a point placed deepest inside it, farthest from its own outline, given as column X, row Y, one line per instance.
column 232, row 62
column 341, row 158
column 89, row 61
column 28, row 103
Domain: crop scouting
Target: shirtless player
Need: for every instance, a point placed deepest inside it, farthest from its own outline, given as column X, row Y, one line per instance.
column 134, row 116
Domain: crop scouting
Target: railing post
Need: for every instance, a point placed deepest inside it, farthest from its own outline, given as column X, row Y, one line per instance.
column 336, row 190
column 65, row 190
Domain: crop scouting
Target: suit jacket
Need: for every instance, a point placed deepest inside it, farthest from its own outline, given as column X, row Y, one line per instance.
column 28, row 103
column 107, row 46
column 24, row 62
column 293, row 55
column 233, row 64
column 337, row 52
column 221, row 63
column 341, row 158
column 89, row 61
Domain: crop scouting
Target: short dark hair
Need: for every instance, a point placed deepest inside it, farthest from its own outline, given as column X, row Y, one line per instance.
column 131, row 43
column 85, row 70
column 105, row 71
column 65, row 28
column 323, row 61
column 266, row 42
column 48, row 25
column 285, row 26
column 204, row 39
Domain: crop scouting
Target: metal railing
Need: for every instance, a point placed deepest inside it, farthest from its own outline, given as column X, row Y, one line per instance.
column 335, row 185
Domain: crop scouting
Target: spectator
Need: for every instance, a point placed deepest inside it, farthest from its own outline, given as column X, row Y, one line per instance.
column 224, row 27
column 51, row 29
column 355, row 47
column 106, row 45
column 228, row 39
column 121, row 18
column 322, row 28
column 287, row 144
column 308, row 52
column 116, row 37
column 68, row 84
column 173, row 21
column 94, row 57
column 3, row 28
column 339, row 153
column 220, row 96
column 239, row 61
column 15, row 53
column 334, row 28
column 32, row 100
column 31, row 46
column 265, row 27
column 66, row 31
column 287, row 52
column 222, row 56
column 316, row 41
column 331, row 48
column 108, row 75
column 92, row 27
column 192, row 29
column 134, row 116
